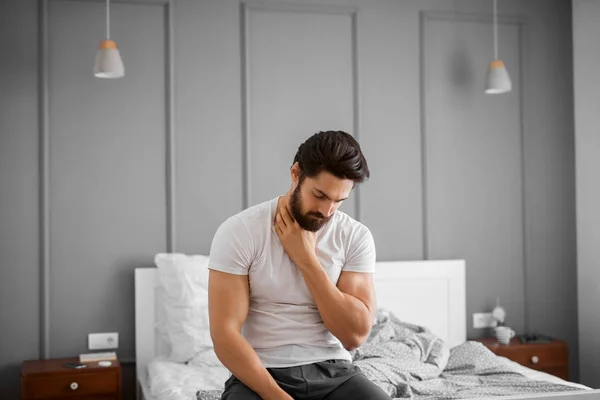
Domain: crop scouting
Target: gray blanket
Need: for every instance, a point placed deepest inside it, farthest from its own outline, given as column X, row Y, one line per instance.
column 408, row 361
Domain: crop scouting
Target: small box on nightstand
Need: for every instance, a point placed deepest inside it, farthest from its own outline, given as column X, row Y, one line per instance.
column 50, row 379
column 551, row 357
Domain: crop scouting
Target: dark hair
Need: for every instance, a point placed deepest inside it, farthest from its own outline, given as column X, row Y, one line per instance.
column 336, row 152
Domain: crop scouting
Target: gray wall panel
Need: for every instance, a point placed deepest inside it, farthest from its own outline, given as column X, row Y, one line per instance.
column 551, row 296
column 19, row 222
column 587, row 141
column 391, row 201
column 107, row 169
column 208, row 115
column 299, row 69
column 473, row 158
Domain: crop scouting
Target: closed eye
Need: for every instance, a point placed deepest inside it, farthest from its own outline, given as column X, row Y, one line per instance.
column 322, row 196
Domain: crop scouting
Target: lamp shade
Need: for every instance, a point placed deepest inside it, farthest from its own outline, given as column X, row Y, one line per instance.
column 497, row 80
column 108, row 61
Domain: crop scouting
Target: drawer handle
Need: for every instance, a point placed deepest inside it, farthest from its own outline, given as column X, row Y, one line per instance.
column 535, row 359
column 74, row 386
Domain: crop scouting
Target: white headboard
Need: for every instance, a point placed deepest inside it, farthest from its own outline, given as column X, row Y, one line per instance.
column 426, row 293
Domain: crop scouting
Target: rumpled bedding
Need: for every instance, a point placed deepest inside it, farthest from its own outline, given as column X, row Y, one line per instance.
column 408, row 361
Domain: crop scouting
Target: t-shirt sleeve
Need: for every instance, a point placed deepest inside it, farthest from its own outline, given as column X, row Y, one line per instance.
column 232, row 248
column 361, row 253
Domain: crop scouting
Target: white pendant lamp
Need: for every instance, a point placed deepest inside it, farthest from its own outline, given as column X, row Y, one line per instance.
column 108, row 60
column 497, row 79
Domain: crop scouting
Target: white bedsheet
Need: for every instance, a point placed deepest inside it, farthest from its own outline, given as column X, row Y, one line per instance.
column 143, row 388
column 168, row 380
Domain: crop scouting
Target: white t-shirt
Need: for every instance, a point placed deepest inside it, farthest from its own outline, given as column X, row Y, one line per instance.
column 284, row 326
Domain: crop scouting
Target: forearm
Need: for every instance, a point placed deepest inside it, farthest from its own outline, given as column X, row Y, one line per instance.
column 241, row 359
column 346, row 317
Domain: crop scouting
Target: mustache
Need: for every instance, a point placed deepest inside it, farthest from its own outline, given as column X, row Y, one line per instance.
column 317, row 215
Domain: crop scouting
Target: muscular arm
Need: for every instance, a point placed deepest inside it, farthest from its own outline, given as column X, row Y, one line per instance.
column 348, row 309
column 228, row 300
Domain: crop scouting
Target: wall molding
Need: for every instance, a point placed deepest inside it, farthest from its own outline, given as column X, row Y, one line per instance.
column 44, row 181
column 356, row 122
column 522, row 73
column 422, row 121
column 170, row 156
column 245, row 103
column 520, row 22
column 274, row 6
column 484, row 18
column 268, row 6
column 424, row 17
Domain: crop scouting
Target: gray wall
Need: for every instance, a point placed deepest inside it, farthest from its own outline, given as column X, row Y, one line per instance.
column 587, row 141
column 97, row 176
column 19, row 226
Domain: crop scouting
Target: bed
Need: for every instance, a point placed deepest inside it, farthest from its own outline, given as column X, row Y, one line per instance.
column 434, row 291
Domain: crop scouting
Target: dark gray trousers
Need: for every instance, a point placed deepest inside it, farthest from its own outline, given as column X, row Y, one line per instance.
column 327, row 380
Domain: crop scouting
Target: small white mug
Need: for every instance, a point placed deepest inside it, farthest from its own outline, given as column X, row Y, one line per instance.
column 504, row 334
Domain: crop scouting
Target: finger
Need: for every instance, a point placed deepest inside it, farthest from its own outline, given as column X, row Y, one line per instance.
column 279, row 230
column 280, row 220
column 289, row 212
column 287, row 216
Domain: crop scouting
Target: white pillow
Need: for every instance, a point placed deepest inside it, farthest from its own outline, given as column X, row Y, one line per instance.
column 184, row 281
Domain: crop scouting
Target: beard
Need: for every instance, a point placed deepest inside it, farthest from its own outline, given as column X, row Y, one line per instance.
column 310, row 221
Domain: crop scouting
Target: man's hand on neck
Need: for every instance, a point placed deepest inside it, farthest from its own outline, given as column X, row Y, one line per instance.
column 299, row 244
column 347, row 317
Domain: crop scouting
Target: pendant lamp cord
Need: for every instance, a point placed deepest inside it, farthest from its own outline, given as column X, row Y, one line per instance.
column 495, row 31
column 108, row 19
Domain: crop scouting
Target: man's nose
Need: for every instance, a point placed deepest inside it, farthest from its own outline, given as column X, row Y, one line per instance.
column 327, row 208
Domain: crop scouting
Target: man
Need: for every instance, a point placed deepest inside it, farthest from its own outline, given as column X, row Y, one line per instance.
column 290, row 284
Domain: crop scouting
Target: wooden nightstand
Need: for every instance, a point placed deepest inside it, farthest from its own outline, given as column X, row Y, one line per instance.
column 552, row 357
column 49, row 379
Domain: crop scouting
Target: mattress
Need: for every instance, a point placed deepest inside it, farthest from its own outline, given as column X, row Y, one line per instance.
column 540, row 376
column 143, row 391
column 167, row 380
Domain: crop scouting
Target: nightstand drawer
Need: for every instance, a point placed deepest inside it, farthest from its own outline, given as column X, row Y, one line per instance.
column 550, row 357
column 536, row 357
column 560, row 371
column 44, row 387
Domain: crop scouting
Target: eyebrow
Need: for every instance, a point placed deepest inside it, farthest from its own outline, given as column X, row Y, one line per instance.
column 327, row 197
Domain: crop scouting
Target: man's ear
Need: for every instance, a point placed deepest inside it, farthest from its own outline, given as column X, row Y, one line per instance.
column 295, row 173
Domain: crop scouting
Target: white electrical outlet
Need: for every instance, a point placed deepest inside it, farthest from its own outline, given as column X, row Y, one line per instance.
column 484, row 320
column 97, row 341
